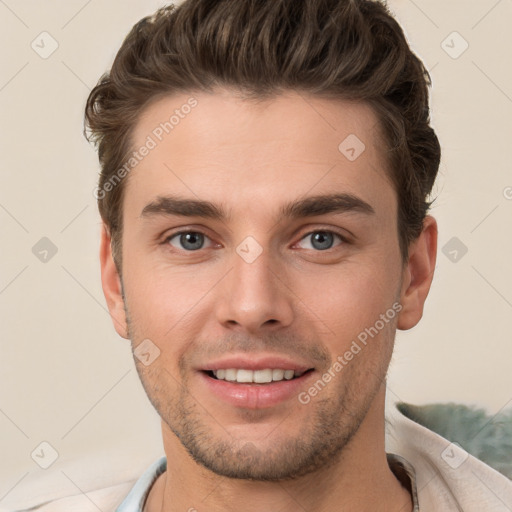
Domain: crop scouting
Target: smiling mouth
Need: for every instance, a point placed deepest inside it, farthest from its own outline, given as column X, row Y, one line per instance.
column 265, row 376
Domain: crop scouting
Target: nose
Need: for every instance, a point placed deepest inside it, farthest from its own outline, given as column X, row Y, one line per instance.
column 253, row 297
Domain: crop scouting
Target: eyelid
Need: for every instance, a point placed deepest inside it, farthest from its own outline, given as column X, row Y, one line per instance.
column 179, row 230
column 344, row 238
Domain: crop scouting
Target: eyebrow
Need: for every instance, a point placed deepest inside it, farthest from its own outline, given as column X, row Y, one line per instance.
column 324, row 204
column 171, row 205
column 307, row 207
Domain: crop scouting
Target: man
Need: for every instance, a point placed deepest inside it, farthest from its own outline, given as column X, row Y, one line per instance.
column 265, row 173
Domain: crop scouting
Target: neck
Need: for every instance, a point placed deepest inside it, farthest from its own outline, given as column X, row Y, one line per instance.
column 358, row 480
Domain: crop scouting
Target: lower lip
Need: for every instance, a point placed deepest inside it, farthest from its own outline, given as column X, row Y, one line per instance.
column 255, row 396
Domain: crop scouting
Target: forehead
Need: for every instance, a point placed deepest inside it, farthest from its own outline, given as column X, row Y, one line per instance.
column 233, row 150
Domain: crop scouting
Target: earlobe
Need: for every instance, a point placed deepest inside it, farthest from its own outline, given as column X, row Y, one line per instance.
column 418, row 274
column 111, row 284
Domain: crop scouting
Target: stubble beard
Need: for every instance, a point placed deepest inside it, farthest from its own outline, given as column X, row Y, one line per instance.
column 328, row 427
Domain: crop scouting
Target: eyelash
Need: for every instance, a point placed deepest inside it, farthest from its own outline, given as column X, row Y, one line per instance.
column 342, row 238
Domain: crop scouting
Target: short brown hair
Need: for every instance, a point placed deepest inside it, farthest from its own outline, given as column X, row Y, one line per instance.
column 345, row 49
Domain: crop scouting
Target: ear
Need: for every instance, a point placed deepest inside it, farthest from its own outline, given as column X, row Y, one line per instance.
column 418, row 274
column 111, row 284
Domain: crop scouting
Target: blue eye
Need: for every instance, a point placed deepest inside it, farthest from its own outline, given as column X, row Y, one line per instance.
column 321, row 240
column 188, row 240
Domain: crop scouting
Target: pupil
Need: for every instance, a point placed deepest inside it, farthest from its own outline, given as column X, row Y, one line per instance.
column 322, row 240
column 191, row 241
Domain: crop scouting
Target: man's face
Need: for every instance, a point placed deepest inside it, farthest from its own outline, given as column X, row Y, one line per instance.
column 271, row 278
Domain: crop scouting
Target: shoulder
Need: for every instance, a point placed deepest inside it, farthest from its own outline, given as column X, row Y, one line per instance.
column 98, row 481
column 447, row 476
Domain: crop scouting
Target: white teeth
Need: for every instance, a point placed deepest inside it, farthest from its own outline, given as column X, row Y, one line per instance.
column 277, row 374
column 256, row 376
column 244, row 376
column 262, row 376
column 230, row 374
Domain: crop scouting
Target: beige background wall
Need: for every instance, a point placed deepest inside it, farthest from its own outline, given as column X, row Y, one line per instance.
column 69, row 380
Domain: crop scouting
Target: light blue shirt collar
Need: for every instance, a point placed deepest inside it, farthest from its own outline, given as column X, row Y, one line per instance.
column 135, row 500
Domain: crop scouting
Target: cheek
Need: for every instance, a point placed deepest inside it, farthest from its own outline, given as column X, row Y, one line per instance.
column 161, row 300
column 347, row 301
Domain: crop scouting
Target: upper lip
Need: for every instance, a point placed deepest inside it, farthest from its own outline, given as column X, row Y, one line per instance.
column 256, row 363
